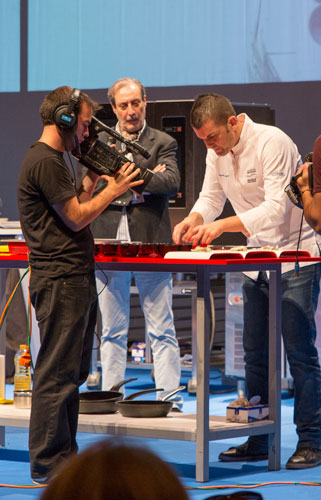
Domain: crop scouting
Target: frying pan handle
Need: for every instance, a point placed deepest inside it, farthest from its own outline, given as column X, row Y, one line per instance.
column 180, row 388
column 117, row 386
column 140, row 393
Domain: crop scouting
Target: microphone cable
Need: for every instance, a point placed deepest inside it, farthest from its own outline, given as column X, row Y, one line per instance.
column 297, row 265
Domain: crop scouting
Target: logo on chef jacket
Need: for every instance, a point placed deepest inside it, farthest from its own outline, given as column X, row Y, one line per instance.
column 251, row 175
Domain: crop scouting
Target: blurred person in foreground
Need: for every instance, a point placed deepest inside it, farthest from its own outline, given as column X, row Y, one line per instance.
column 114, row 470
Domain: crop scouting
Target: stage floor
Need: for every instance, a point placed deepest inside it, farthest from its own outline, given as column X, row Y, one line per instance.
column 180, row 454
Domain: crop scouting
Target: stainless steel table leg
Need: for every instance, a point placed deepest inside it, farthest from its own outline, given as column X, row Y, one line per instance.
column 2, row 436
column 202, row 417
column 275, row 367
column 192, row 383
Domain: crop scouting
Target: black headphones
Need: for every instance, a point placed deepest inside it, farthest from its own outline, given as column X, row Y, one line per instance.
column 65, row 116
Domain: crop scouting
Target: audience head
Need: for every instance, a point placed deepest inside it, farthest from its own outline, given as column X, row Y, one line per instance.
column 114, row 470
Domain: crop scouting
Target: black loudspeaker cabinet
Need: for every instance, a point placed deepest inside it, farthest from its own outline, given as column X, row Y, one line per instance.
column 173, row 117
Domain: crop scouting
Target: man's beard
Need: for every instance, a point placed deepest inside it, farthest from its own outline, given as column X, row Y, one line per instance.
column 70, row 139
column 131, row 135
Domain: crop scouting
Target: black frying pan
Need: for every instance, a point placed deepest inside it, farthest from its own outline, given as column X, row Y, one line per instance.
column 102, row 401
column 146, row 408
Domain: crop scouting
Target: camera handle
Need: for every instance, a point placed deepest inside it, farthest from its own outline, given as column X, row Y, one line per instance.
column 292, row 189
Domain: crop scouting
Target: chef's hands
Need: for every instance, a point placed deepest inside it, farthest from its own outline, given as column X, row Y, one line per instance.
column 184, row 230
column 204, row 234
column 192, row 230
column 197, row 234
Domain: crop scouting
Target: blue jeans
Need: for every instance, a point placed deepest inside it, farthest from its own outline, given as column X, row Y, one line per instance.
column 299, row 302
column 155, row 294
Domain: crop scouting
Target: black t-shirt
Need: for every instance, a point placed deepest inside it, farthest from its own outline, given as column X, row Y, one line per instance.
column 56, row 250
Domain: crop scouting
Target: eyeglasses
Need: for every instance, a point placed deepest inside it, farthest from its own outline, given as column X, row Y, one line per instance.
column 238, row 495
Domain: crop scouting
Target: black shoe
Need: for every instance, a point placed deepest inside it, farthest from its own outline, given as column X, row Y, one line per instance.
column 41, row 481
column 243, row 453
column 304, row 458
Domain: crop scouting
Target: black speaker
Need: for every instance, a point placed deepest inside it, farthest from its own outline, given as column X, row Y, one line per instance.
column 65, row 116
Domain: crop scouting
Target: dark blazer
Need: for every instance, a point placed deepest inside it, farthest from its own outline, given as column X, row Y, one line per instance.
column 149, row 221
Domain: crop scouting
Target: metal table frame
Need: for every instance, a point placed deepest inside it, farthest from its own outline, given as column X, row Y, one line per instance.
column 203, row 270
column 204, row 431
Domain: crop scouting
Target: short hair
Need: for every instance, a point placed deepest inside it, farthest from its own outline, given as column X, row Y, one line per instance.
column 60, row 97
column 214, row 107
column 112, row 469
column 123, row 82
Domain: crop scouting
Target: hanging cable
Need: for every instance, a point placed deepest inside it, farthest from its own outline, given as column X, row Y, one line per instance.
column 8, row 304
column 297, row 265
column 25, row 359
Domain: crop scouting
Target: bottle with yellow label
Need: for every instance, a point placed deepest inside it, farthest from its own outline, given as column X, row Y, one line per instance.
column 22, row 376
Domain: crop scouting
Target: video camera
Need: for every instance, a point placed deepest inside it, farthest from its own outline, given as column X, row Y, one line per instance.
column 104, row 159
column 292, row 189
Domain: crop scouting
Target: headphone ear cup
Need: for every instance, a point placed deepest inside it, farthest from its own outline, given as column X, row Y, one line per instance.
column 64, row 118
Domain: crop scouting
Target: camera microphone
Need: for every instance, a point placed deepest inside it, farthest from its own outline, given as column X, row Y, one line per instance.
column 131, row 146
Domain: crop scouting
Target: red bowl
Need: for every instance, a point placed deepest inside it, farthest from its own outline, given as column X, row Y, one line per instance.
column 128, row 250
column 149, row 250
column 109, row 249
column 163, row 248
column 186, row 247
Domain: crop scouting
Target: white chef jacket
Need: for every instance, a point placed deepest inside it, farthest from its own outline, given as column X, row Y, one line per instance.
column 253, row 177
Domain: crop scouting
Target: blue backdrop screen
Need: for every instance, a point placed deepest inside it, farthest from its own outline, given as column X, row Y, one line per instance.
column 10, row 45
column 89, row 44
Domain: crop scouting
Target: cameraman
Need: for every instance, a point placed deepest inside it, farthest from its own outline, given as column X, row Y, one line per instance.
column 55, row 218
column 311, row 198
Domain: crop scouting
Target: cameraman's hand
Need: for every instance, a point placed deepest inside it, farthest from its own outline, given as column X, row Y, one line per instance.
column 123, row 180
column 303, row 180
